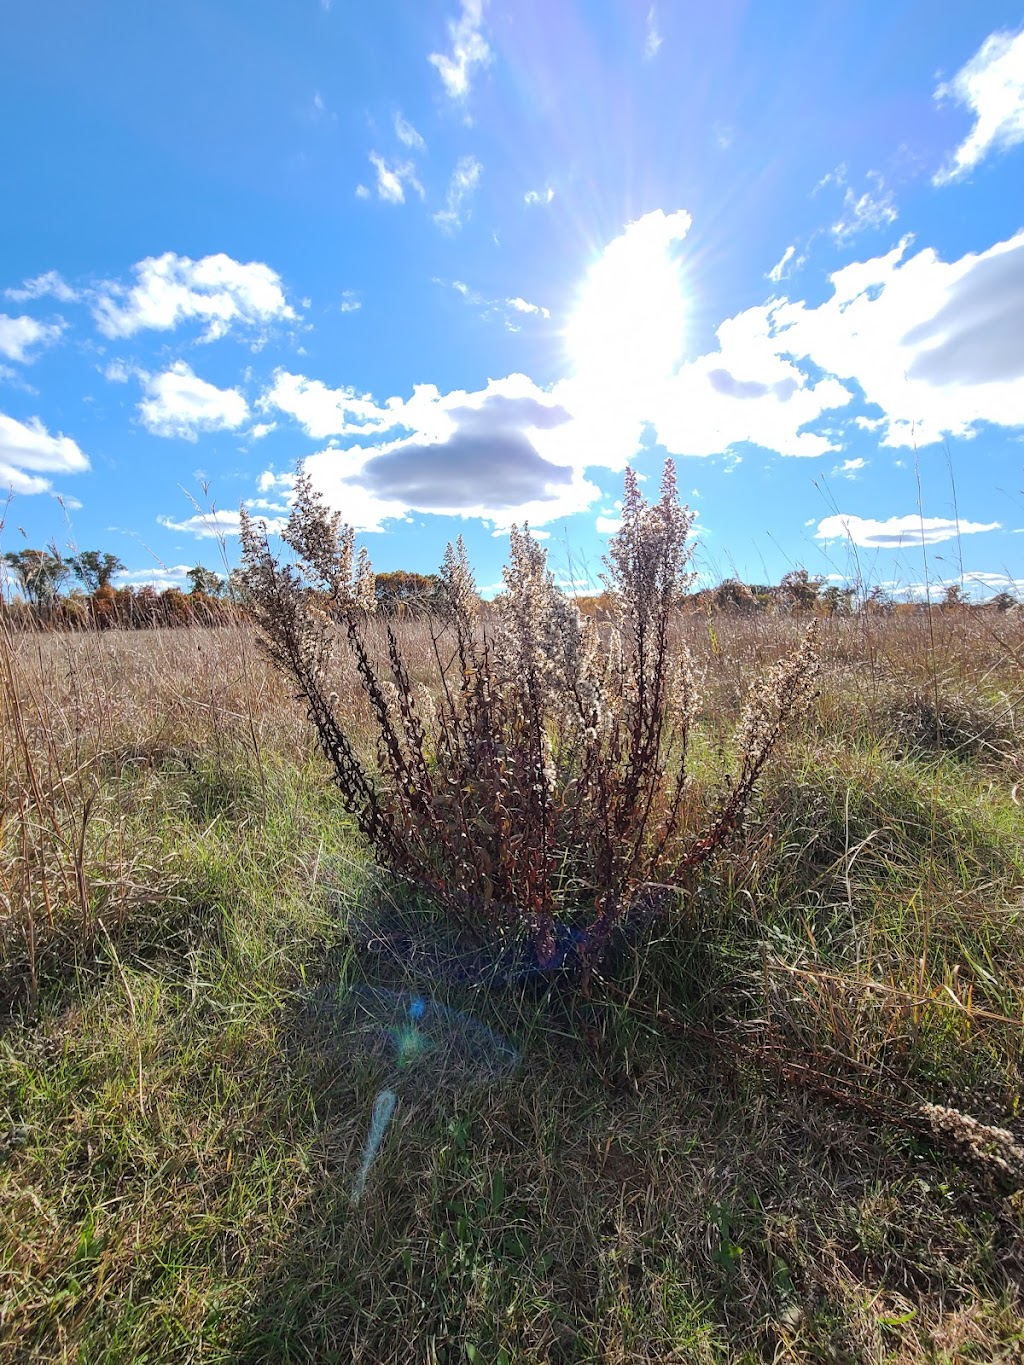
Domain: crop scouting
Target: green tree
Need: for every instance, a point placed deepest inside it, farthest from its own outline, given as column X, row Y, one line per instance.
column 95, row 570
column 205, row 582
column 40, row 573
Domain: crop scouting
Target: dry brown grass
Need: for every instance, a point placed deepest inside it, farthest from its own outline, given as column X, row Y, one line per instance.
column 175, row 1150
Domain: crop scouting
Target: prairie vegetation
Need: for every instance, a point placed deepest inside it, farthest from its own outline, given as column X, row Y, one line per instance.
column 784, row 1125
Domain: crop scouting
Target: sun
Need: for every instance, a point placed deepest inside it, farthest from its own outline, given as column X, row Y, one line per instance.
column 629, row 324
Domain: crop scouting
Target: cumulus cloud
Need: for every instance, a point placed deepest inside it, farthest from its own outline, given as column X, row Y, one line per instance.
column 469, row 49
column 216, row 524
column 408, row 135
column 465, row 178
column 393, row 178
column 897, row 533
column 504, row 453
column 217, row 291
column 350, row 301
column 543, row 196
column 49, row 285
column 936, row 345
column 933, row 346
column 179, row 403
column 627, row 337
column 18, row 336
column 323, row 411
column 991, row 86
column 28, row 452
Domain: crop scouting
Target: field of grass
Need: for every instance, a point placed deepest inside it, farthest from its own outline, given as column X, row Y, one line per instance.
column 719, row 1152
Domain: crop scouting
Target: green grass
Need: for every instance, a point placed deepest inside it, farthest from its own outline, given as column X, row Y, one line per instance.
column 177, row 1145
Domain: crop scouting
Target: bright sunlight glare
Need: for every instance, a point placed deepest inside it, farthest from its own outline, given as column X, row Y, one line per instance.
column 628, row 325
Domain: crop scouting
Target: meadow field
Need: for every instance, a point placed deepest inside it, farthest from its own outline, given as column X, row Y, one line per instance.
column 784, row 1125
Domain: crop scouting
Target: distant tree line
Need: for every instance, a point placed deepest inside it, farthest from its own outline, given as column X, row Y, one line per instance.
column 77, row 592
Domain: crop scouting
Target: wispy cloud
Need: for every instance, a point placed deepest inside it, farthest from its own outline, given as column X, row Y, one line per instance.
column 653, row 39
column 873, row 208
column 991, row 86
column 849, row 469
column 784, row 267
column 407, row 134
column 392, row 179
column 469, row 49
column 216, row 524
column 465, row 178
column 543, row 196
column 350, row 301
column 49, row 285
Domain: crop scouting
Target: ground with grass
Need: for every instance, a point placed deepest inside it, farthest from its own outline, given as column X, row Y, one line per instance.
column 721, row 1151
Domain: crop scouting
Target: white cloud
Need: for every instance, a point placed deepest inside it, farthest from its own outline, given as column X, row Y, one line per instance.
column 897, row 532
column 543, row 196
column 216, row 291
column 19, row 335
column 874, row 208
column 268, row 481
column 28, row 451
column 628, row 335
column 509, row 452
column 350, row 301
column 991, row 583
column 465, row 178
column 392, row 179
column 521, row 306
column 407, row 134
column 653, row 40
column 936, row 345
column 217, row 524
column 262, row 429
column 781, row 269
column 469, row 50
column 991, row 86
column 510, row 311
column 175, row 576
column 362, row 192
column 319, row 111
column 49, row 285
column 322, row 411
column 179, row 403
column 849, row 469
column 607, row 526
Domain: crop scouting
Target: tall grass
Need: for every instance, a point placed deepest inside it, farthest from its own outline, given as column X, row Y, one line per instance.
column 784, row 1130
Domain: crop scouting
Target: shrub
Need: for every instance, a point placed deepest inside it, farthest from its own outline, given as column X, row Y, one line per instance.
column 539, row 782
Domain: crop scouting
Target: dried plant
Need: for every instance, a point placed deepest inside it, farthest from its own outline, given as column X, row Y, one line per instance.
column 539, row 781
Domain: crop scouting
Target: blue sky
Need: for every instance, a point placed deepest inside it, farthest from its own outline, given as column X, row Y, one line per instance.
column 469, row 258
